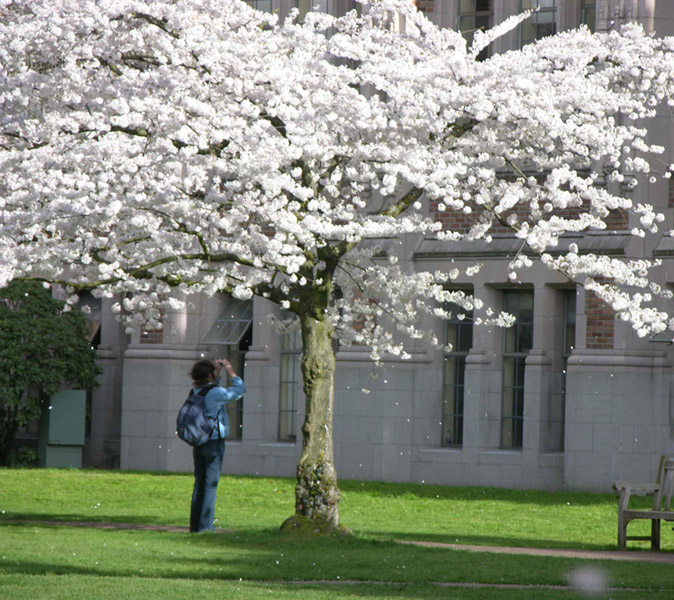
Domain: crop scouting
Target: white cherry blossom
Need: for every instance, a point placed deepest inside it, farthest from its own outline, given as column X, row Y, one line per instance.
column 156, row 149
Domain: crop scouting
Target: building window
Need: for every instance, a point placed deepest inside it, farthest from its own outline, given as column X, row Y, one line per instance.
column 263, row 5
column 291, row 378
column 306, row 6
column 569, row 341
column 233, row 329
column 541, row 24
column 236, row 356
column 588, row 13
column 232, row 323
column 459, row 335
column 518, row 342
column 475, row 15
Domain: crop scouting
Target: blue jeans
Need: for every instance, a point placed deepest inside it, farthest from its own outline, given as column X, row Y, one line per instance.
column 207, row 465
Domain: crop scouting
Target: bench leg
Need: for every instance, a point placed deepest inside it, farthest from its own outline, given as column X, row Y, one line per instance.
column 655, row 534
column 622, row 532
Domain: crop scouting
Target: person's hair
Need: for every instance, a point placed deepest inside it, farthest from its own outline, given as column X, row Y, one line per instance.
column 201, row 370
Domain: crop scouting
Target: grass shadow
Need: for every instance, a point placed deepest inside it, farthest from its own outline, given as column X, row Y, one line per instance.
column 30, row 518
column 487, row 540
column 254, row 555
column 478, row 494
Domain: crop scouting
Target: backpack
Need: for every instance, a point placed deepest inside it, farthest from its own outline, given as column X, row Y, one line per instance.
column 193, row 425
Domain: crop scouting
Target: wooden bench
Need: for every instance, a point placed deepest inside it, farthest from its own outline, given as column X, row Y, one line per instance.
column 661, row 510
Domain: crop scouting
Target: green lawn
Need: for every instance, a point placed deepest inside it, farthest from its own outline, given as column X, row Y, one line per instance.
column 254, row 561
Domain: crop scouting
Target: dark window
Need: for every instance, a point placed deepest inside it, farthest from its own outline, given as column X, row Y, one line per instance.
column 541, row 24
column 588, row 13
column 518, row 342
column 291, row 378
column 459, row 335
column 569, row 341
column 233, row 330
column 236, row 356
column 475, row 15
column 263, row 5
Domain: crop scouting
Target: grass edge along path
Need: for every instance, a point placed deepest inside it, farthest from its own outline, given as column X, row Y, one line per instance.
column 628, row 555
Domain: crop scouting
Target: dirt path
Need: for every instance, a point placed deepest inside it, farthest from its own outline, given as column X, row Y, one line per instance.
column 630, row 555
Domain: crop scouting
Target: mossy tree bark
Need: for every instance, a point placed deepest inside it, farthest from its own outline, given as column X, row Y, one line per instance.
column 316, row 494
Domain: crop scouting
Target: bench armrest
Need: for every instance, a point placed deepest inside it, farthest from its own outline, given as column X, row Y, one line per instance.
column 644, row 488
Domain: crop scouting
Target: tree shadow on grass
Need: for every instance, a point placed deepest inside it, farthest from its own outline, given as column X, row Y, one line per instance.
column 443, row 492
column 74, row 520
column 267, row 556
column 154, row 523
column 487, row 540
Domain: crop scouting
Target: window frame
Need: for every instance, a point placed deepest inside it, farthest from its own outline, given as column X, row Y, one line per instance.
column 536, row 19
column 462, row 342
column 476, row 16
column 289, row 380
column 236, row 355
column 588, row 7
column 569, row 320
column 256, row 4
column 515, row 356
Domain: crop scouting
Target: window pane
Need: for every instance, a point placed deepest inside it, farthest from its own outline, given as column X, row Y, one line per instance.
column 291, row 346
column 465, row 342
column 458, row 334
column 460, row 370
column 450, row 370
column 542, row 23
column 508, row 433
column 453, row 416
column 467, row 25
column 482, row 22
column 569, row 321
column 518, row 395
column 518, row 340
column 508, row 402
column 525, row 337
column 546, row 17
column 525, row 300
column 508, row 373
column 452, row 335
column 545, row 29
column 512, row 433
column 232, row 323
column 264, row 5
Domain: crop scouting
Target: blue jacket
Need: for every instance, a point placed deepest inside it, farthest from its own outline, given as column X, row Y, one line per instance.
column 217, row 398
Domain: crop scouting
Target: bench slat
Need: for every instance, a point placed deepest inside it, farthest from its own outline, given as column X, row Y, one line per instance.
column 665, row 515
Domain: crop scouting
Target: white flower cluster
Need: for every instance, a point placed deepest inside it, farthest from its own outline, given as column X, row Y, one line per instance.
column 158, row 149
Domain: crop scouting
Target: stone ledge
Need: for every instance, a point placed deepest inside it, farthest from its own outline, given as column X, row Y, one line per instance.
column 614, row 358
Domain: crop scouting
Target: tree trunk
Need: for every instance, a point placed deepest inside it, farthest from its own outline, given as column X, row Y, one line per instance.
column 316, row 494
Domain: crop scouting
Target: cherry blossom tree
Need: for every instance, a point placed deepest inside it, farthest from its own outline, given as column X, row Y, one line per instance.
column 154, row 150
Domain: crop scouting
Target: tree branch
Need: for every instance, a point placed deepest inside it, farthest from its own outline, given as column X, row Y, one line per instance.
column 403, row 204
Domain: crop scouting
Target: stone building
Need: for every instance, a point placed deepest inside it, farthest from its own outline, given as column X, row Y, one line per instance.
column 569, row 398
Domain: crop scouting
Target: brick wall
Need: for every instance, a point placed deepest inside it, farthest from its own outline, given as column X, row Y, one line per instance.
column 600, row 323
column 151, row 336
column 461, row 222
column 425, row 5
